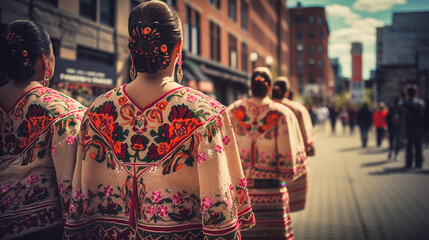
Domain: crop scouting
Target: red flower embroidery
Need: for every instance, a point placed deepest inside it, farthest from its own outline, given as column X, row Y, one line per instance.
column 122, row 100
column 163, row 148
column 120, row 150
column 139, row 142
column 162, row 105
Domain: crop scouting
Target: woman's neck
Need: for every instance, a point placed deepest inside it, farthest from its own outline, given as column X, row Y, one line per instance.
column 261, row 101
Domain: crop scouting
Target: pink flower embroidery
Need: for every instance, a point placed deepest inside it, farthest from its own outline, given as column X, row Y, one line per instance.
column 219, row 122
column 272, row 155
column 226, row 140
column 218, row 148
column 53, row 150
column 192, row 99
column 78, row 117
column 70, row 139
column 178, row 198
column 202, row 157
column 162, row 210
column 42, row 90
column 61, row 188
column 214, row 105
column 32, row 179
column 263, row 154
column 206, row 203
column 108, row 190
column 5, row 187
column 78, row 194
column 48, row 99
column 243, row 151
column 288, row 155
column 243, row 182
column 156, row 196
column 150, row 210
column 7, row 201
column 231, row 187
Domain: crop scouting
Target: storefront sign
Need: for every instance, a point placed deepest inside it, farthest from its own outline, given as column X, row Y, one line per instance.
column 84, row 72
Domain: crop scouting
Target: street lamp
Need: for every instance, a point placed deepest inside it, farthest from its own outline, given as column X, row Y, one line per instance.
column 269, row 62
column 253, row 58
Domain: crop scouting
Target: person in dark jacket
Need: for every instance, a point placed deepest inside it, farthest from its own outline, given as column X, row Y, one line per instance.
column 393, row 120
column 364, row 120
column 413, row 128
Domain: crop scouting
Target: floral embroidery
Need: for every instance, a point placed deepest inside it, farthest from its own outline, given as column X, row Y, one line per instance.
column 53, row 150
column 243, row 182
column 33, row 178
column 139, row 142
column 5, row 187
column 78, row 194
column 178, row 198
column 48, row 99
column 162, row 105
column 219, row 148
column 156, row 196
column 150, row 210
column 226, row 140
column 206, row 203
column 192, row 98
column 70, row 139
column 108, row 191
column 202, row 157
column 122, row 100
column 162, row 210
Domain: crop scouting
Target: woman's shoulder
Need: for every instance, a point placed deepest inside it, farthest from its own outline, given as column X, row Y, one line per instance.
column 280, row 108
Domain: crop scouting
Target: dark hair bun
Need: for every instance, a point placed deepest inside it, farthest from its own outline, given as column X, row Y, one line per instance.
column 260, row 82
column 20, row 46
column 154, row 29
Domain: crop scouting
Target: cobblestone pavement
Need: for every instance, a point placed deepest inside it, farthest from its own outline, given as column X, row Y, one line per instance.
column 357, row 193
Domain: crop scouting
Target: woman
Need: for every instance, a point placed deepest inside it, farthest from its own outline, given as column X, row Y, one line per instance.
column 297, row 189
column 38, row 126
column 158, row 160
column 271, row 151
column 379, row 119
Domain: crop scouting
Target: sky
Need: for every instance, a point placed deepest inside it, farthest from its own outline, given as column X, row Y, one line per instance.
column 357, row 20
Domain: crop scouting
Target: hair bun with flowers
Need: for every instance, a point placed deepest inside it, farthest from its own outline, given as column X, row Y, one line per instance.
column 12, row 52
column 148, row 53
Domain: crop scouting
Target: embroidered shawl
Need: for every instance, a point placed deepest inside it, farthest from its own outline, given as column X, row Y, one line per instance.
column 170, row 170
column 269, row 140
column 37, row 151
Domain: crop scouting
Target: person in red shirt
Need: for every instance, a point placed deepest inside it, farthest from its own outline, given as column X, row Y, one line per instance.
column 379, row 119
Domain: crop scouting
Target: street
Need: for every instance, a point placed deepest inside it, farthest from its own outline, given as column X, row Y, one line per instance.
column 356, row 193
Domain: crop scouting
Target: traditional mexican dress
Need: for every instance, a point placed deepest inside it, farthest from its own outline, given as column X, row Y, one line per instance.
column 170, row 170
column 37, row 157
column 298, row 189
column 271, row 150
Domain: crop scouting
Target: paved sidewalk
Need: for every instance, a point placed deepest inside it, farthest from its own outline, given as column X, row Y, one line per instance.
column 356, row 193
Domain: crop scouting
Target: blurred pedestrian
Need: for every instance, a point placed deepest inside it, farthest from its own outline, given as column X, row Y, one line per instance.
column 426, row 123
column 157, row 160
column 393, row 121
column 298, row 188
column 333, row 114
column 379, row 119
column 271, row 150
column 413, row 127
column 352, row 110
column 364, row 121
column 344, row 118
column 311, row 111
column 38, row 126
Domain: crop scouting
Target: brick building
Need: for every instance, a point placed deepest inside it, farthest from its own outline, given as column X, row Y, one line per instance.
column 310, row 69
column 90, row 41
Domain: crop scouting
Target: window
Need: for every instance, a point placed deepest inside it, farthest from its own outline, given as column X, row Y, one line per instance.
column 299, row 66
column 107, row 12
column 320, row 63
column 232, row 10
column 321, row 34
column 244, row 54
column 214, row 41
column 232, row 49
column 91, row 55
column 215, row 3
column 320, row 20
column 299, row 49
column 299, row 35
column 321, row 79
column 244, row 14
column 311, row 79
column 87, row 8
column 105, row 8
column 192, row 31
column 311, row 19
column 311, row 48
column 311, row 62
column 311, row 34
column 298, row 19
column 320, row 49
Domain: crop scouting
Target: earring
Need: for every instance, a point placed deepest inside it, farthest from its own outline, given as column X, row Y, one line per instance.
column 179, row 69
column 133, row 72
column 46, row 76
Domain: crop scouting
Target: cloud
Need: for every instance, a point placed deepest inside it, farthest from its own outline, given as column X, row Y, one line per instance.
column 376, row 5
column 340, row 11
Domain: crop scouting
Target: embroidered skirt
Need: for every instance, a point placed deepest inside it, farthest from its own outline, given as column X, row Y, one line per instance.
column 270, row 204
column 298, row 192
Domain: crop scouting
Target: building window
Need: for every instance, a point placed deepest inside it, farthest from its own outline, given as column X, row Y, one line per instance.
column 311, row 62
column 320, row 20
column 321, row 79
column 232, row 49
column 244, row 14
column 215, row 3
column 232, row 9
column 214, row 41
column 298, row 19
column 87, row 8
column 320, row 49
column 321, row 34
column 311, row 34
column 320, row 63
column 91, row 55
column 311, row 48
column 192, row 31
column 244, row 54
column 311, row 19
column 299, row 66
column 299, row 49
column 311, row 79
column 299, row 35
column 107, row 15
column 105, row 8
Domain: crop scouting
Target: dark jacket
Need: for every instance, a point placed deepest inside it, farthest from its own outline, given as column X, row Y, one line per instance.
column 364, row 118
column 413, row 111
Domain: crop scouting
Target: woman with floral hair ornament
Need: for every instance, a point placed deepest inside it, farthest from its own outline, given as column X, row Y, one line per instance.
column 38, row 126
column 272, row 151
column 157, row 160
